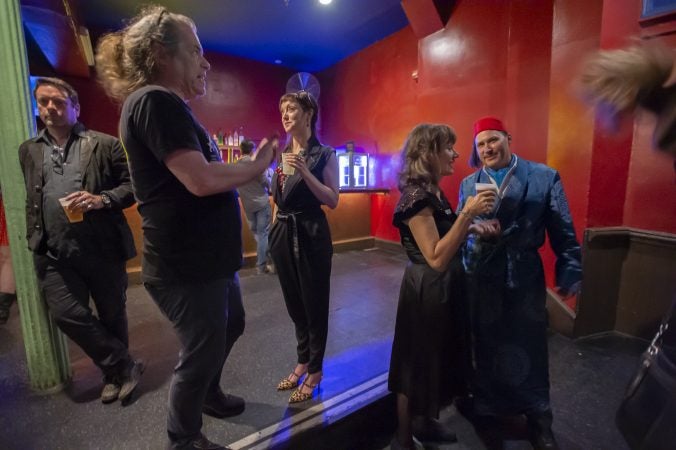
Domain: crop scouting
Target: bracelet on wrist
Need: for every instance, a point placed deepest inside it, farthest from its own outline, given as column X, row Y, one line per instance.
column 468, row 215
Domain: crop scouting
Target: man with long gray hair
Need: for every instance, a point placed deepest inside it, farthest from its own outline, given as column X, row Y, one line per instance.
column 188, row 202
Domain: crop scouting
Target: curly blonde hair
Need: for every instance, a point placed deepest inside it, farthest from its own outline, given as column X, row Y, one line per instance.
column 126, row 59
column 620, row 78
column 420, row 156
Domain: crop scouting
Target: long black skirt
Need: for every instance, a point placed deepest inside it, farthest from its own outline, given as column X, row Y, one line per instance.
column 429, row 361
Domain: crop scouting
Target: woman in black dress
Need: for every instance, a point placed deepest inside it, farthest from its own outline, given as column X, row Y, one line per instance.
column 425, row 367
column 300, row 239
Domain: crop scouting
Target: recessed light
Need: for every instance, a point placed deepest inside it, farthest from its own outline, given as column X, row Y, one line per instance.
column 278, row 61
column 325, row 2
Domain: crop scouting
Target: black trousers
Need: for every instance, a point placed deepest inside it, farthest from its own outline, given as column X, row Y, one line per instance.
column 208, row 318
column 302, row 250
column 66, row 286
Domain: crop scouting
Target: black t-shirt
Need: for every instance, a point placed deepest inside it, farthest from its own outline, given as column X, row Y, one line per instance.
column 186, row 238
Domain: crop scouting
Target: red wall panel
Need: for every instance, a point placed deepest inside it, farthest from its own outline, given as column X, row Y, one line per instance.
column 484, row 62
column 242, row 93
column 571, row 123
column 97, row 111
column 370, row 98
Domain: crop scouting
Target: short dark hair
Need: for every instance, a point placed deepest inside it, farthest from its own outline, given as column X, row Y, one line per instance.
column 58, row 83
column 307, row 102
column 246, row 147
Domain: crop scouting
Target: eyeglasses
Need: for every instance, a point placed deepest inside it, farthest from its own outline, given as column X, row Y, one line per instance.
column 57, row 159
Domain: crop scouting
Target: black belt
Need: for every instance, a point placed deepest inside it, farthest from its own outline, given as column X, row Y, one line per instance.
column 290, row 217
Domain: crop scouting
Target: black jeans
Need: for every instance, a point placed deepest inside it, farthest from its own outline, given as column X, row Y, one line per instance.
column 208, row 318
column 66, row 286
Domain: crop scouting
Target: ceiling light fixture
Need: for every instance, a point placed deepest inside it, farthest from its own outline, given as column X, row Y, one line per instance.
column 325, row 2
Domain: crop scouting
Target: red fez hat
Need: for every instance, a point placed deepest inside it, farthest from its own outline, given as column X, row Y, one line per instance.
column 488, row 123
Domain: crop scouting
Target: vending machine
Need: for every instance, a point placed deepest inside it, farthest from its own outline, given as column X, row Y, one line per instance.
column 352, row 167
column 343, row 169
column 360, row 166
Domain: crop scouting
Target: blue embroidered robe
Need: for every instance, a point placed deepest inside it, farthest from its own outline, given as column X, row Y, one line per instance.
column 507, row 287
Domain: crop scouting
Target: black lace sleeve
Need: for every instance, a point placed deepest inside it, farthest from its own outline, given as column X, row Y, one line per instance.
column 413, row 200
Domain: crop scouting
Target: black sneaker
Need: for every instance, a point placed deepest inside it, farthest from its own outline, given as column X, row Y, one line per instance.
column 131, row 380
column 222, row 405
column 202, row 443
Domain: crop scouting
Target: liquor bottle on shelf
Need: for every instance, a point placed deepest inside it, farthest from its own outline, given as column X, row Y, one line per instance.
column 220, row 137
column 235, row 138
column 230, row 141
column 241, row 135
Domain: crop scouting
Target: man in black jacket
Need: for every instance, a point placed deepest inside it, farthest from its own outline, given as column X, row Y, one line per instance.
column 77, row 184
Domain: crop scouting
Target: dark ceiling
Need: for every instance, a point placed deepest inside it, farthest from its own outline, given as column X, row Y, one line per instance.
column 302, row 34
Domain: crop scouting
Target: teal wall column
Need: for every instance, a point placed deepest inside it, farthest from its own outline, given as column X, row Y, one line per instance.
column 46, row 350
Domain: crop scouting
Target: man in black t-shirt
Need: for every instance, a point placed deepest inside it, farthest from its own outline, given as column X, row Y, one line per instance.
column 188, row 202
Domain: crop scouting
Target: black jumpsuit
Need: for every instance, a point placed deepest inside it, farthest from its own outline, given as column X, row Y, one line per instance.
column 301, row 248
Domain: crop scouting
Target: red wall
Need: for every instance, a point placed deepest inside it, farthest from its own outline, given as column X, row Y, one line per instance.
column 97, row 111
column 242, row 93
column 371, row 98
column 517, row 60
column 484, row 62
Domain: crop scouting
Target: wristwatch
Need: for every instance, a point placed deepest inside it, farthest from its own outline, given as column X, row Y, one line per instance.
column 107, row 204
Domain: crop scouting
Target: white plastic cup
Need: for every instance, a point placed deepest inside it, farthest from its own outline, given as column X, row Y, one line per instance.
column 481, row 187
column 73, row 216
column 287, row 169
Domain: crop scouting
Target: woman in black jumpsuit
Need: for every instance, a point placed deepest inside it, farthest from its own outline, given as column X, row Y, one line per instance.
column 300, row 239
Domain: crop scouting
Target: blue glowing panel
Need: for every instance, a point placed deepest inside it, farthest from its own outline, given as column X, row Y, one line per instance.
column 360, row 165
column 344, row 169
column 32, row 80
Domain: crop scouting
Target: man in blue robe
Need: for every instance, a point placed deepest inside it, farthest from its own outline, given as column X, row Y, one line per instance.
column 507, row 291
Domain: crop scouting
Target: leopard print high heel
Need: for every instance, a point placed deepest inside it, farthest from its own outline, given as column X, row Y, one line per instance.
column 300, row 396
column 287, row 383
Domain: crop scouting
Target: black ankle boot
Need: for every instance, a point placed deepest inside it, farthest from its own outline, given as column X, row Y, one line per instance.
column 6, row 301
column 540, row 431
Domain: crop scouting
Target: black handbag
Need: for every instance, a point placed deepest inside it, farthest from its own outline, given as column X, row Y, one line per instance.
column 647, row 415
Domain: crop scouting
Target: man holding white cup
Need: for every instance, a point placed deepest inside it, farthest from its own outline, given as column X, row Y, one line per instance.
column 507, row 290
